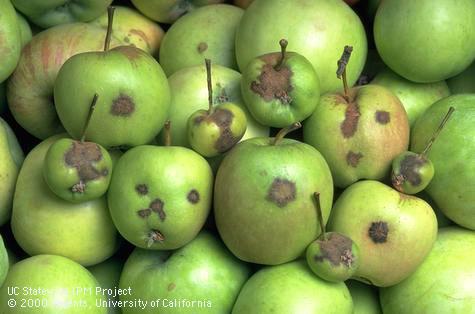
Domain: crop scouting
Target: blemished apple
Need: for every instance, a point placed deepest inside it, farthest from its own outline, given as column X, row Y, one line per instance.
column 50, row 284
column 10, row 39
column 412, row 37
column 207, row 32
column 48, row 13
column 203, row 271
column 83, row 232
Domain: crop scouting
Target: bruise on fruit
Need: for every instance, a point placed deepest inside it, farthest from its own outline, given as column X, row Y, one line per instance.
column 193, row 196
column 144, row 213
column 337, row 250
column 171, row 286
column 378, row 232
column 273, row 84
column 409, row 169
column 141, row 189
column 352, row 158
column 282, row 192
column 382, row 117
column 122, row 106
column 130, row 52
column 350, row 124
column 157, row 207
column 202, row 47
column 223, row 118
column 82, row 156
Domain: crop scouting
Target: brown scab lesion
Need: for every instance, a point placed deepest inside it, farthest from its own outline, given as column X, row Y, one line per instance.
column 382, row 117
column 202, row 47
column 282, row 192
column 224, row 119
column 144, row 213
column 337, row 249
column 349, row 125
column 409, row 170
column 157, row 206
column 353, row 159
column 122, row 106
column 193, row 196
column 378, row 231
column 141, row 189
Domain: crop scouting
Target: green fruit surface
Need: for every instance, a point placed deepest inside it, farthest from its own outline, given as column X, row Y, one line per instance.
column 10, row 46
column 4, row 261
column 365, row 298
column 107, row 275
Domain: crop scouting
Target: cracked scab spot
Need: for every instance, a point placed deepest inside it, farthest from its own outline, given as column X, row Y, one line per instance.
column 202, row 47
column 281, row 192
column 409, row 168
column 273, row 84
column 144, row 213
column 382, row 117
column 352, row 158
column 83, row 156
column 122, row 106
column 337, row 249
column 193, row 196
column 157, row 206
column 141, row 189
column 350, row 124
column 223, row 118
column 378, row 231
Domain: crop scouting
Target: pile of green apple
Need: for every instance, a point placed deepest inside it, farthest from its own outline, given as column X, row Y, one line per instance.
column 247, row 156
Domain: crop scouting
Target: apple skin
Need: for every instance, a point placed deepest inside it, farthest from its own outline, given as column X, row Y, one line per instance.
column 11, row 156
column 30, row 88
column 415, row 97
column 203, row 270
column 107, row 275
column 168, row 11
column 443, row 283
column 207, row 32
column 189, row 92
column 10, row 47
column 404, row 229
column 48, row 13
column 243, row 3
column 4, row 261
column 365, row 298
column 452, row 187
column 25, row 30
column 412, row 37
column 316, row 29
column 42, row 223
column 292, row 288
column 464, row 83
column 133, row 28
column 58, row 275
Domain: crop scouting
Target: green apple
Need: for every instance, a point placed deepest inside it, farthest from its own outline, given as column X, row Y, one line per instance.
column 10, row 47
column 207, row 32
column 445, row 281
column 11, row 156
column 280, row 88
column 463, row 83
column 132, row 28
column 415, row 97
column 412, row 37
column 30, row 88
column 292, row 288
column 47, row 284
column 165, row 206
column 168, row 11
column 25, row 30
column 359, row 133
column 48, row 13
column 263, row 198
column 452, row 187
column 394, row 231
column 42, row 223
column 4, row 261
column 107, row 275
column 201, row 277
column 189, row 92
column 316, row 29
column 365, row 298
column 134, row 95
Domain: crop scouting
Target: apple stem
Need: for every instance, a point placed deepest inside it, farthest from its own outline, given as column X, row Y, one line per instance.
column 168, row 133
column 110, row 20
column 316, row 196
column 210, row 86
column 437, row 132
column 89, row 116
column 341, row 70
column 283, row 47
column 283, row 132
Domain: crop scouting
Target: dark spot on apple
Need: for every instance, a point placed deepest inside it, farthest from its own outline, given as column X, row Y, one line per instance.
column 336, row 249
column 82, row 156
column 144, row 213
column 223, row 118
column 142, row 189
column 126, row 39
column 350, row 124
column 222, row 94
column 130, row 52
column 352, row 158
column 105, row 172
column 199, row 119
column 409, row 170
column 378, row 232
column 193, row 196
column 157, row 207
column 154, row 236
column 171, row 286
column 202, row 47
column 271, row 83
column 123, row 106
column 382, row 117
column 282, row 192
